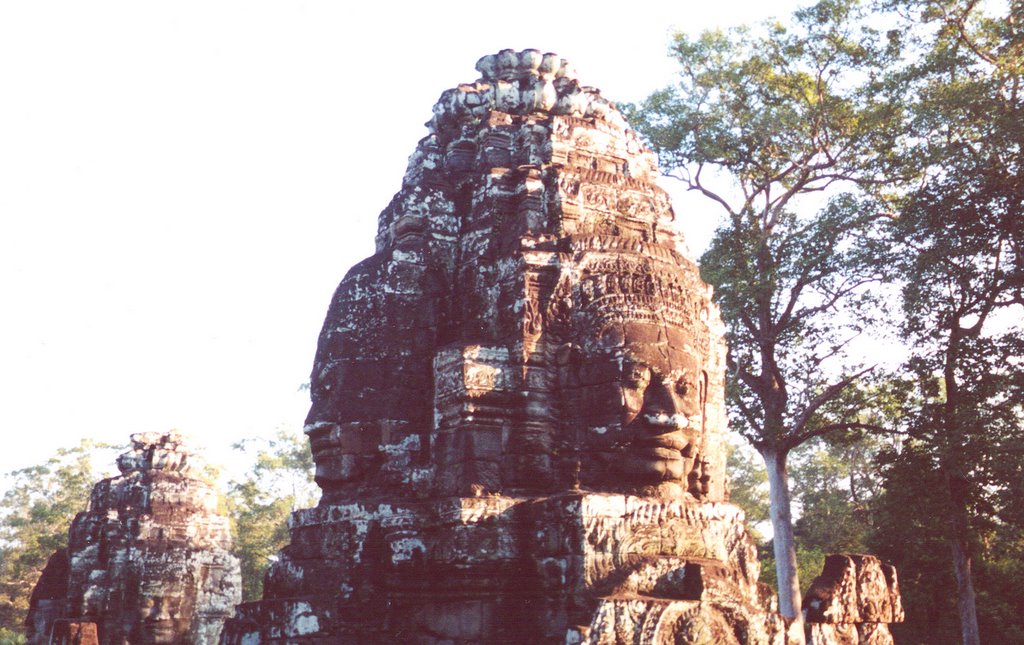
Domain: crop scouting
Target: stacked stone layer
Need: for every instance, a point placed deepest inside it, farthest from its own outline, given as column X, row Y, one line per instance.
column 501, row 569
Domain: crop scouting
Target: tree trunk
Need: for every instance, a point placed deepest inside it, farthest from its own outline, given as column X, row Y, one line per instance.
column 782, row 538
column 965, row 594
column 956, row 487
column 958, row 536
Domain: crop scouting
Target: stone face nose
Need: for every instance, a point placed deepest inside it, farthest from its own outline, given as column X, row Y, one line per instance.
column 659, row 404
column 161, row 611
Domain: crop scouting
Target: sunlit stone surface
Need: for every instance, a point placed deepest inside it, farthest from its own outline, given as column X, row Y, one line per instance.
column 149, row 562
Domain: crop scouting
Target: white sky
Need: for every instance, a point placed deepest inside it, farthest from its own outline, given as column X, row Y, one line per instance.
column 183, row 184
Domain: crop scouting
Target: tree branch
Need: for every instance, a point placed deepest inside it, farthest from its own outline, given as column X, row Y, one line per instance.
column 852, row 425
column 801, row 420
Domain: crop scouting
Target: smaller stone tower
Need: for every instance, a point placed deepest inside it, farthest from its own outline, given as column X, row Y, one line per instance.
column 149, row 562
column 853, row 602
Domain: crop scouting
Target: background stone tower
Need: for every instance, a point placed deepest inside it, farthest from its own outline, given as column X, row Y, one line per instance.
column 518, row 401
column 148, row 562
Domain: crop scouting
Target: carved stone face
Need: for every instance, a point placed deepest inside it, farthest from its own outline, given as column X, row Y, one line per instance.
column 640, row 393
column 164, row 612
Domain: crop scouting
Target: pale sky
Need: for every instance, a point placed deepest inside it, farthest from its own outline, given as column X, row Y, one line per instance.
column 183, row 184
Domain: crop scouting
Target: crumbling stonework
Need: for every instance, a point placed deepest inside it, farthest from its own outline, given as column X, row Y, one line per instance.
column 517, row 402
column 853, row 602
column 149, row 562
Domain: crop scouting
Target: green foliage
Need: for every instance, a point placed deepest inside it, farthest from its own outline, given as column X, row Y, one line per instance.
column 909, row 534
column 748, row 485
column 794, row 297
column 957, row 254
column 9, row 637
column 809, row 562
column 779, row 107
column 280, row 481
column 35, row 514
column 836, row 484
column 999, row 577
column 748, row 489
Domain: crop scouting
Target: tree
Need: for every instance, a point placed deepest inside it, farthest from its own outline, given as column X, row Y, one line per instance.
column 959, row 238
column 908, row 533
column 748, row 486
column 836, row 483
column 775, row 117
column 279, row 482
column 35, row 514
column 905, row 535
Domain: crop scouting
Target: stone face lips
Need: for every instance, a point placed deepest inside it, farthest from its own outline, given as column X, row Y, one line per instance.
column 518, row 401
column 854, row 600
column 149, row 562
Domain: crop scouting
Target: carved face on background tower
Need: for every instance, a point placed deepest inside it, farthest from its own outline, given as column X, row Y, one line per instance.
column 639, row 392
column 165, row 610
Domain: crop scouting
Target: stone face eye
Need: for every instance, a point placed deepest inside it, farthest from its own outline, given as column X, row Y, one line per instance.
column 682, row 387
column 635, row 375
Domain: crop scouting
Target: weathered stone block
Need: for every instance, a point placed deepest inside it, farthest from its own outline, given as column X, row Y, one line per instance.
column 854, row 589
column 65, row 632
column 874, row 634
column 833, row 634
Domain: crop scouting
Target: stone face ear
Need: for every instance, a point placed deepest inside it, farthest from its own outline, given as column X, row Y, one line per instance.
column 567, row 362
column 612, row 337
column 567, row 353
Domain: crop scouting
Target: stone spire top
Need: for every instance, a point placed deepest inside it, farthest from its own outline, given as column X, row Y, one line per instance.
column 151, row 451
column 525, row 83
column 507, row 65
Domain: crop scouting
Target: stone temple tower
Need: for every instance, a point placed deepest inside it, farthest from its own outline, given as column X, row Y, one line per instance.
column 148, row 562
column 517, row 401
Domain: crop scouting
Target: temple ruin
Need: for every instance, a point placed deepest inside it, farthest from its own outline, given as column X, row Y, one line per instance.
column 518, row 401
column 148, row 562
column 517, row 418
